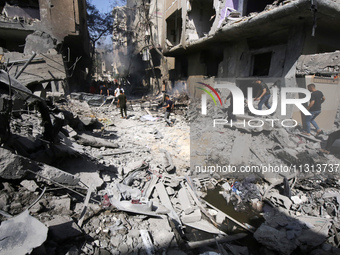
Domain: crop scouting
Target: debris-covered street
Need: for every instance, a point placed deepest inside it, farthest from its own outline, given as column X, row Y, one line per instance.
column 169, row 127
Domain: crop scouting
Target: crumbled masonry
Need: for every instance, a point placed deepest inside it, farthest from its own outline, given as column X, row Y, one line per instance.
column 144, row 197
column 77, row 178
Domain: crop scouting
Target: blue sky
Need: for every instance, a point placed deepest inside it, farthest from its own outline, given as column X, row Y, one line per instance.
column 103, row 5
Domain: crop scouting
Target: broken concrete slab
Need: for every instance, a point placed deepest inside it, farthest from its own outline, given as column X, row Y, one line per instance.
column 316, row 231
column 91, row 179
column 205, row 226
column 63, row 228
column 280, row 200
column 162, row 234
column 147, row 241
column 274, row 239
column 169, row 166
column 62, row 204
column 220, row 217
column 132, row 166
column 88, row 121
column 22, row 233
column 150, row 186
column 13, row 166
column 49, row 66
column 88, row 140
column 39, row 42
column 195, row 216
column 15, row 84
column 185, row 201
column 57, row 175
column 29, row 185
column 241, row 150
column 163, row 195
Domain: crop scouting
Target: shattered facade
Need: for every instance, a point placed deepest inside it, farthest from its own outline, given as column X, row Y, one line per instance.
column 138, row 33
column 104, row 69
column 56, row 31
column 79, row 178
column 244, row 40
column 234, row 40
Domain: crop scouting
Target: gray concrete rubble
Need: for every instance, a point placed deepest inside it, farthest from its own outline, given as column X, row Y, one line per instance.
column 106, row 185
column 21, row 234
column 47, row 63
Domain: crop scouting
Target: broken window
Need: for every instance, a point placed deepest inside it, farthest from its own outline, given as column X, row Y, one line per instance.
column 212, row 58
column 261, row 64
column 256, row 6
column 200, row 19
column 174, row 28
column 181, row 66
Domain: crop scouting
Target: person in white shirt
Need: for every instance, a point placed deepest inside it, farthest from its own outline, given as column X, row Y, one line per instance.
column 117, row 91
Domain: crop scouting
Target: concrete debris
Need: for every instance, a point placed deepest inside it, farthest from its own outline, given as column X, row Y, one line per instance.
column 21, row 234
column 147, row 242
column 205, row 226
column 49, row 64
column 280, row 200
column 63, row 228
column 274, row 239
column 129, row 186
column 88, row 140
column 29, row 185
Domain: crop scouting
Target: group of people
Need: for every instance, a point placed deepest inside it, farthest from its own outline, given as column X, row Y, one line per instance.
column 119, row 95
column 314, row 108
column 97, row 86
column 263, row 96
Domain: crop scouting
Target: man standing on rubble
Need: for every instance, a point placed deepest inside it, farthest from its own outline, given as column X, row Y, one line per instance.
column 122, row 103
column 168, row 106
column 314, row 107
column 263, row 94
column 103, row 90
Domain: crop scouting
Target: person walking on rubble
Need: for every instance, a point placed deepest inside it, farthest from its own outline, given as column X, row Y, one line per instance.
column 230, row 110
column 122, row 103
column 331, row 139
column 168, row 106
column 314, row 107
column 263, row 95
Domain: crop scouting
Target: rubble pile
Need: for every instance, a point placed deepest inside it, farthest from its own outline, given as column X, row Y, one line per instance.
column 99, row 184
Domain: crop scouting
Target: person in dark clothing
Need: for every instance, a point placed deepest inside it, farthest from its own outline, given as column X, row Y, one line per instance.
column 263, row 95
column 230, row 110
column 104, row 91
column 331, row 139
column 314, row 107
column 168, row 107
column 122, row 103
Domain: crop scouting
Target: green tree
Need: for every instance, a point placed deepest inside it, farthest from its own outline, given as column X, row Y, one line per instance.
column 99, row 24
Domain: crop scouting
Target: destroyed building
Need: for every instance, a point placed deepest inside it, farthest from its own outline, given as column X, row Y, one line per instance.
column 78, row 179
column 239, row 41
column 103, row 65
column 233, row 40
column 138, row 33
column 52, row 36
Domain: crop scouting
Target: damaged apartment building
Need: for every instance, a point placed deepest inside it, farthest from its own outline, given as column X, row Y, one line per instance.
column 137, row 36
column 290, row 42
column 44, row 43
